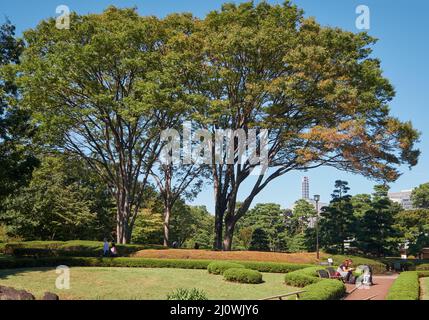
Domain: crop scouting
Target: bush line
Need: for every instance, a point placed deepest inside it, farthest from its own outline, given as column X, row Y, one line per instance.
column 324, row 290
column 407, row 286
column 76, row 248
column 315, row 287
column 12, row 262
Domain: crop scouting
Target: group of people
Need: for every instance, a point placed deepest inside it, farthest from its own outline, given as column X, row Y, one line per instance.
column 109, row 250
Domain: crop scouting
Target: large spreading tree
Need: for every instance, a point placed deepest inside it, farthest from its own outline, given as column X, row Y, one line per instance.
column 103, row 91
column 318, row 91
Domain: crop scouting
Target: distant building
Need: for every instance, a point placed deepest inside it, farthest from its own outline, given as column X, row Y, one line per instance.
column 306, row 188
column 320, row 205
column 424, row 254
column 403, row 198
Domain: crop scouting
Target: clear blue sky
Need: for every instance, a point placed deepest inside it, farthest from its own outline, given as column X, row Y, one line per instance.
column 402, row 28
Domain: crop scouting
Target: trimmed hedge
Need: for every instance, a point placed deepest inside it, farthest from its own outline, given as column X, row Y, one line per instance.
column 407, row 286
column 11, row 263
column 274, row 267
column 315, row 287
column 219, row 267
column 304, row 277
column 324, row 290
column 8, row 262
column 77, row 248
column 243, row 275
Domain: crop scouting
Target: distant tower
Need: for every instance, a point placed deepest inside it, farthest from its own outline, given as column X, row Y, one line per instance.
column 306, row 188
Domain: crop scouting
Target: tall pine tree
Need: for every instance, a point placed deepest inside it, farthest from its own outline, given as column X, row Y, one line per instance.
column 376, row 234
column 337, row 223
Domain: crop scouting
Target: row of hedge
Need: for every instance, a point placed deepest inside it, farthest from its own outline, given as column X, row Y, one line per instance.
column 407, row 286
column 273, row 267
column 77, row 248
column 94, row 249
column 315, row 287
column 324, row 289
column 13, row 262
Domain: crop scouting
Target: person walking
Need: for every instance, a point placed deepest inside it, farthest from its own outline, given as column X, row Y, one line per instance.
column 106, row 248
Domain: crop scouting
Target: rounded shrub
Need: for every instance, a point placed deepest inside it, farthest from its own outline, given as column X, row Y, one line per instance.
column 299, row 280
column 243, row 275
column 219, row 267
column 303, row 277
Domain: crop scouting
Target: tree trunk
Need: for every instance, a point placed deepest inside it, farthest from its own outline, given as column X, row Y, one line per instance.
column 230, row 222
column 218, row 229
column 229, row 234
column 119, row 227
column 127, row 233
column 123, row 230
column 123, row 214
column 167, row 215
column 232, row 217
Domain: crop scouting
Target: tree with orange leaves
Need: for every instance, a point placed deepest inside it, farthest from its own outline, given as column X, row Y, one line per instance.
column 317, row 90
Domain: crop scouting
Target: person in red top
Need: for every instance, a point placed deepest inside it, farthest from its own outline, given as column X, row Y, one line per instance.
column 113, row 250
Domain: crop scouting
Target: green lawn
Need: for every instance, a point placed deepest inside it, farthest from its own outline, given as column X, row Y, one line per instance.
column 145, row 284
column 424, row 284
